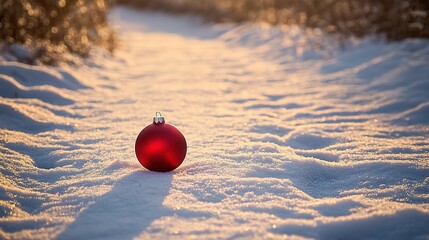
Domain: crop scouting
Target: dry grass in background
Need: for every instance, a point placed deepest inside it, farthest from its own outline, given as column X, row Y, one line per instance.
column 52, row 27
column 395, row 19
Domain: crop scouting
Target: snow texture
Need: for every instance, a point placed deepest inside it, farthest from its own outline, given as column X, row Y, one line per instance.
column 284, row 141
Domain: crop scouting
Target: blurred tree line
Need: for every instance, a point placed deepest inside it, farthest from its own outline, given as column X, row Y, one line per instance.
column 53, row 27
column 396, row 19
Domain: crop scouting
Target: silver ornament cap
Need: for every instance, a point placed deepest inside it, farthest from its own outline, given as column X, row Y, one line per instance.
column 158, row 118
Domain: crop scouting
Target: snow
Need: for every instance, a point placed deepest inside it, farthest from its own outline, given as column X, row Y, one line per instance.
column 284, row 141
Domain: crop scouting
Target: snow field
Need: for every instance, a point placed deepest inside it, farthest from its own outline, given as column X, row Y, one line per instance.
column 283, row 141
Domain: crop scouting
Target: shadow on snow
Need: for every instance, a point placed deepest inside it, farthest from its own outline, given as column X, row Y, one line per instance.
column 125, row 211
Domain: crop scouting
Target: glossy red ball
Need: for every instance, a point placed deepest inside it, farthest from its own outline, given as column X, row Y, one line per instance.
column 160, row 147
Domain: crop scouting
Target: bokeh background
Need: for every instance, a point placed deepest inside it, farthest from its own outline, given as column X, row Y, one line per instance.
column 52, row 27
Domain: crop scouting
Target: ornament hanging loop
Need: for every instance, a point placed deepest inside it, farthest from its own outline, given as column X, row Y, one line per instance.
column 158, row 119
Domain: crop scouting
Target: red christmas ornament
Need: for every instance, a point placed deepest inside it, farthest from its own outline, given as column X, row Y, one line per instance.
column 160, row 147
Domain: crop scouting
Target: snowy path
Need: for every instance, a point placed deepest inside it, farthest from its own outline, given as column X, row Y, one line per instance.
column 282, row 141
